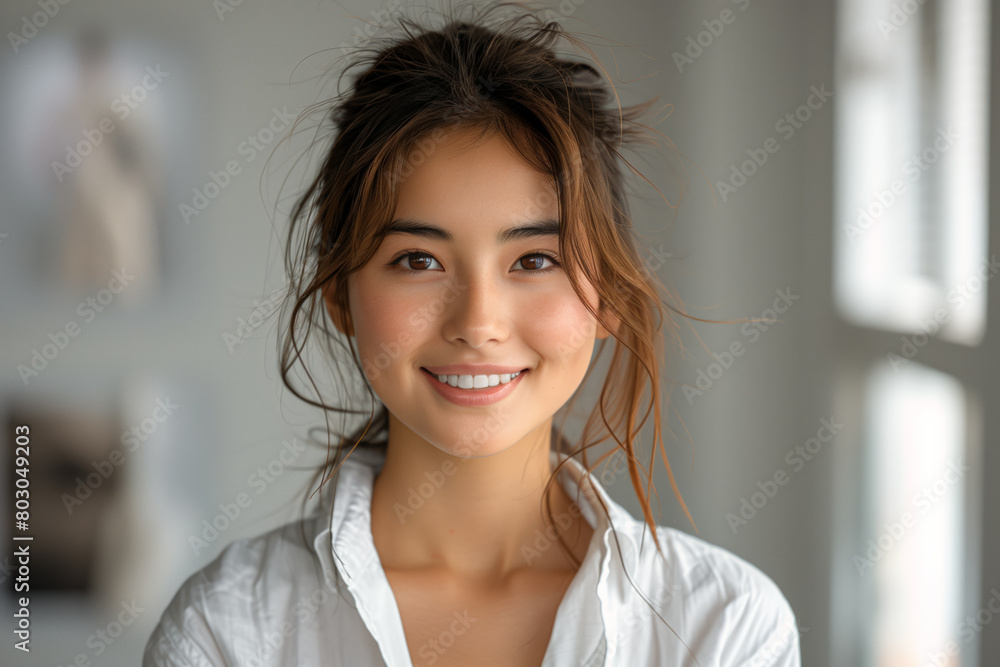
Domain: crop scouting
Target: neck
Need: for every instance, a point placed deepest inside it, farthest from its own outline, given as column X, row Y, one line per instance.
column 472, row 517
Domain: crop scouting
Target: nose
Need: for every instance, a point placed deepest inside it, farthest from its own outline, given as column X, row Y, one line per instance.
column 476, row 311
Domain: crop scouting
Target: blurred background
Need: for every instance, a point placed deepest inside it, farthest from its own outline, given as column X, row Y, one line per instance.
column 823, row 167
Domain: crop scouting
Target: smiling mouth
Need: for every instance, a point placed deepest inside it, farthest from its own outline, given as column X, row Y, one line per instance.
column 475, row 382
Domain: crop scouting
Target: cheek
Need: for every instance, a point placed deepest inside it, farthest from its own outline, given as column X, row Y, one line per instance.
column 389, row 323
column 562, row 329
column 385, row 324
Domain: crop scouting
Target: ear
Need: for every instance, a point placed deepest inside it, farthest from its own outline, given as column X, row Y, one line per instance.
column 341, row 317
column 602, row 331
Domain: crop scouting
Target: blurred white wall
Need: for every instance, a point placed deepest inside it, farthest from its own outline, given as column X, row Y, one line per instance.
column 232, row 75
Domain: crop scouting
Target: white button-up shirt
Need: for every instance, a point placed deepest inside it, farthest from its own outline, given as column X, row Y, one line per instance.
column 273, row 599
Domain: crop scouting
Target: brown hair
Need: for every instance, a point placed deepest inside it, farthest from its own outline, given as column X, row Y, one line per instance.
column 501, row 77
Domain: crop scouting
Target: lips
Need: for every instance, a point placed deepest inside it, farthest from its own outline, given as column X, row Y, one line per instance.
column 473, row 397
column 477, row 381
column 474, row 369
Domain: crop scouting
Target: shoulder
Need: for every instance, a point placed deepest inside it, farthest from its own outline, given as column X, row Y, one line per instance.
column 220, row 610
column 697, row 566
column 733, row 611
column 272, row 562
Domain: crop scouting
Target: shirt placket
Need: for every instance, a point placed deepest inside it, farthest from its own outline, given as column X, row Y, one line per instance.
column 373, row 597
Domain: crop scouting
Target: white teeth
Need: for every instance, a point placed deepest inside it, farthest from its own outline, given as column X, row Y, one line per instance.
column 477, row 381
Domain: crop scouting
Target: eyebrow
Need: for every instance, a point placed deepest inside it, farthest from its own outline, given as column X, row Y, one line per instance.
column 547, row 227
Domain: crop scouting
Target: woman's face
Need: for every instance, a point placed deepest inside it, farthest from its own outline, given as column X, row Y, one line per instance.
column 462, row 290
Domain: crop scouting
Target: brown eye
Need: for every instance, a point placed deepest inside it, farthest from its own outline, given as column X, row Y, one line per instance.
column 417, row 261
column 535, row 262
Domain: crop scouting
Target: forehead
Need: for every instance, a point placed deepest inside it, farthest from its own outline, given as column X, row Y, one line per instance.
column 467, row 179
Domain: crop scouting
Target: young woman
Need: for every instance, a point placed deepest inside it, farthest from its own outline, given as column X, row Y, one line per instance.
column 468, row 237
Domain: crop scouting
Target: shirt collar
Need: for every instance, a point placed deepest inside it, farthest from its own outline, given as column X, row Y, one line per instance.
column 349, row 524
